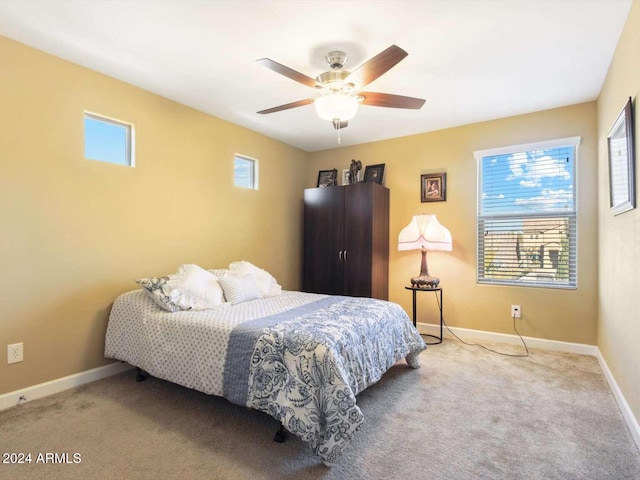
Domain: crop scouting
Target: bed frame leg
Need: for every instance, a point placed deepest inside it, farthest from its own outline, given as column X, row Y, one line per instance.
column 281, row 435
column 141, row 376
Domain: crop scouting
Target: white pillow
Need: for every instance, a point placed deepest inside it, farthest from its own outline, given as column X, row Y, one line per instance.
column 193, row 286
column 239, row 288
column 265, row 281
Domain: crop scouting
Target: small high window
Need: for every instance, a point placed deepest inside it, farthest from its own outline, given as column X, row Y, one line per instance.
column 108, row 140
column 245, row 172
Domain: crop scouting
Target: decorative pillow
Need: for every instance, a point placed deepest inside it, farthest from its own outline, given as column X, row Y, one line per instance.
column 239, row 288
column 266, row 282
column 153, row 287
column 195, row 287
column 190, row 288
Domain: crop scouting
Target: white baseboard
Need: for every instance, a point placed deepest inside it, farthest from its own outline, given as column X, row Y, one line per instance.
column 17, row 397
column 624, row 407
column 578, row 348
column 510, row 339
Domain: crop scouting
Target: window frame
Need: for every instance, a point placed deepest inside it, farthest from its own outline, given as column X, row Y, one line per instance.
column 571, row 217
column 253, row 174
column 129, row 137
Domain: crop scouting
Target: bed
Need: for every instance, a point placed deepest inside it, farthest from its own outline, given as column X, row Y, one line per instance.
column 300, row 357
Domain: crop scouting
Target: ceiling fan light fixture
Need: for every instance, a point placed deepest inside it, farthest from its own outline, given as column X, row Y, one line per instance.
column 336, row 106
column 339, row 91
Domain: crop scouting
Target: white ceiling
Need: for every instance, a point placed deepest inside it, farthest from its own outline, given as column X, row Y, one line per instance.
column 472, row 60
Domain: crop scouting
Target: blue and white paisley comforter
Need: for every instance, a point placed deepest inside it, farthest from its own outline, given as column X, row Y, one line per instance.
column 303, row 365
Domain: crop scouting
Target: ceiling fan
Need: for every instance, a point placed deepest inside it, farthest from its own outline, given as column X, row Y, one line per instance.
column 339, row 90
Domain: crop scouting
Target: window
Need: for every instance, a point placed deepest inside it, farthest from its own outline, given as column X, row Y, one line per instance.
column 527, row 231
column 108, row 140
column 245, row 172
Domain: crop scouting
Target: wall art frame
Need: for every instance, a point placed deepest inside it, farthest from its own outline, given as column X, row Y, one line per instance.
column 374, row 173
column 328, row 178
column 433, row 187
column 620, row 147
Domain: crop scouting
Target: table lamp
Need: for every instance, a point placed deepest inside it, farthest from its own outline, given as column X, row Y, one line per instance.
column 424, row 233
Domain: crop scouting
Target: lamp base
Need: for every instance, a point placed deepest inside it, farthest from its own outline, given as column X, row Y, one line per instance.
column 425, row 281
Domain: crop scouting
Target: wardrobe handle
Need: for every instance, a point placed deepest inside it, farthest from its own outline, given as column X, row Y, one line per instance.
column 340, row 255
column 345, row 255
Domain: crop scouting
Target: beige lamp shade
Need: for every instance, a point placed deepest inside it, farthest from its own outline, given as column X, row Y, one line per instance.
column 425, row 233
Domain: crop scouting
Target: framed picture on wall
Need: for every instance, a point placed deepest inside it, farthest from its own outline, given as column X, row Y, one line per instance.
column 620, row 144
column 328, row 178
column 433, row 187
column 374, row 173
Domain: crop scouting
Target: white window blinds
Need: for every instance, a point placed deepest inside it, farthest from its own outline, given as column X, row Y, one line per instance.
column 527, row 231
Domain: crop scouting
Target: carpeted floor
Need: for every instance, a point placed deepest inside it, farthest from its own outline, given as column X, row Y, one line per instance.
column 466, row 414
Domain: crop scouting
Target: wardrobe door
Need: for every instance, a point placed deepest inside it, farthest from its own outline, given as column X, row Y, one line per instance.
column 380, row 243
column 323, row 235
column 358, row 213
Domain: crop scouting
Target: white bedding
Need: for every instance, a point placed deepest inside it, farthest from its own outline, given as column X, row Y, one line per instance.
column 185, row 347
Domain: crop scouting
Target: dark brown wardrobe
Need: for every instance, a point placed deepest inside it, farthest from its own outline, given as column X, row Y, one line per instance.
column 346, row 240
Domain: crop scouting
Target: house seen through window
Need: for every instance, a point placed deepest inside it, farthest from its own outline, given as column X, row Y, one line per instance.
column 527, row 231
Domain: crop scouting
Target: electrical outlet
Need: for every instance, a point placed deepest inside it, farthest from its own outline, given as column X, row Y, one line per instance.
column 14, row 353
column 515, row 311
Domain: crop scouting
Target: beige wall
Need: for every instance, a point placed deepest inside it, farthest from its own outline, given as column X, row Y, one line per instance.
column 566, row 315
column 619, row 315
column 76, row 233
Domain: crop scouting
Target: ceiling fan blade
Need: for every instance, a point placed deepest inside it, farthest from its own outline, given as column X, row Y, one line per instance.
column 376, row 66
column 338, row 125
column 288, row 72
column 392, row 101
column 287, row 106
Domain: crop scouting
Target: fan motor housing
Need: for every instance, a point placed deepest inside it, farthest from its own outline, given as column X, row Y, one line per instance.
column 336, row 59
column 332, row 79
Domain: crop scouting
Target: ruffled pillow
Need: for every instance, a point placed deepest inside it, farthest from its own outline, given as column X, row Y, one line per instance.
column 190, row 288
column 267, row 284
column 196, row 287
